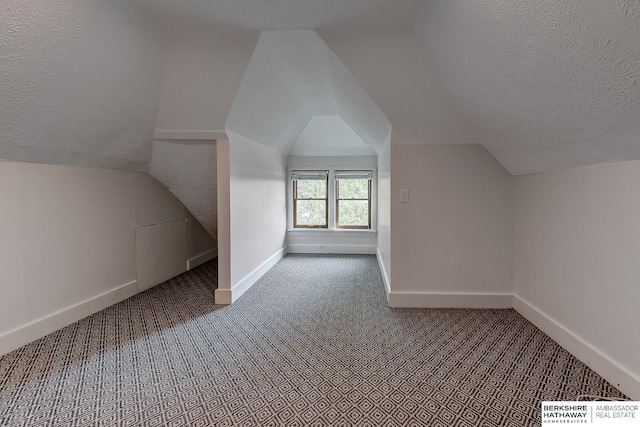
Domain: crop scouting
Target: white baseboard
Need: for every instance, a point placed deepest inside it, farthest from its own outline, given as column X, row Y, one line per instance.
column 229, row 296
column 383, row 272
column 607, row 367
column 202, row 258
column 308, row 248
column 449, row 300
column 43, row 326
column 187, row 135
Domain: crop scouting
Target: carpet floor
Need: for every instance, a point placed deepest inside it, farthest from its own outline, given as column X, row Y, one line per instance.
column 313, row 343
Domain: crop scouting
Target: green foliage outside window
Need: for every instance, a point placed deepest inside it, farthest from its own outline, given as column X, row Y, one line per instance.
column 353, row 203
column 312, row 189
column 310, row 212
column 350, row 207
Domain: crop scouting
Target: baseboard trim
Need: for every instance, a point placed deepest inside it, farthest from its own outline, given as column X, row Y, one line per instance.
column 449, row 300
column 43, row 326
column 204, row 135
column 383, row 272
column 607, row 367
column 308, row 248
column 229, row 296
column 202, row 258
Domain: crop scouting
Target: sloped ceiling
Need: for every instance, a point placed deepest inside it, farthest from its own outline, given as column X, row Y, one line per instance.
column 289, row 14
column 79, row 82
column 194, row 185
column 329, row 134
column 394, row 70
column 543, row 84
column 293, row 76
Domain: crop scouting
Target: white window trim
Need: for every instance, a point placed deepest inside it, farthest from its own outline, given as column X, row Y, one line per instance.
column 332, row 202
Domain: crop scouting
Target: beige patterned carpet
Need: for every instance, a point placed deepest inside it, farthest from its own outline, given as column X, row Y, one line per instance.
column 313, row 343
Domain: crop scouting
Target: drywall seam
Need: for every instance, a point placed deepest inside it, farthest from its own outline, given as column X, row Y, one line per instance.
column 229, row 296
column 43, row 326
column 596, row 359
column 201, row 258
column 450, row 300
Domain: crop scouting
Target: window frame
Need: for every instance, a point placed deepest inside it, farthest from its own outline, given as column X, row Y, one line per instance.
column 312, row 175
column 331, row 211
column 351, row 174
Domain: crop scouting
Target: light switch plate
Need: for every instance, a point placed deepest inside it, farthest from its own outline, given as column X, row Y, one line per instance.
column 404, row 196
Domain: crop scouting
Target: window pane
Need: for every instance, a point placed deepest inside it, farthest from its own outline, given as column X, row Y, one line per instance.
column 311, row 212
column 312, row 189
column 354, row 188
column 353, row 212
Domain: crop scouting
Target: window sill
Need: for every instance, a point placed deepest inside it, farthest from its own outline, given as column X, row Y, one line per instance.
column 329, row 232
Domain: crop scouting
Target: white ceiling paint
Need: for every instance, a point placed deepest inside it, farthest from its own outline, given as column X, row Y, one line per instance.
column 292, row 76
column 202, row 73
column 79, row 82
column 289, row 14
column 544, row 85
column 393, row 68
column 329, row 134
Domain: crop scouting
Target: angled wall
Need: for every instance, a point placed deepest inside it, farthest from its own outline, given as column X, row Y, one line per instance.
column 577, row 246
column 189, row 170
column 69, row 243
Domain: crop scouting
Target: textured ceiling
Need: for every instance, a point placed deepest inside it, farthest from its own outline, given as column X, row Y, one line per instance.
column 79, row 82
column 293, row 76
column 543, row 84
column 289, row 14
column 194, row 185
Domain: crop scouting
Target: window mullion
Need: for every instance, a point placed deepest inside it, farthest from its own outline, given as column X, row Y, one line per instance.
column 331, row 203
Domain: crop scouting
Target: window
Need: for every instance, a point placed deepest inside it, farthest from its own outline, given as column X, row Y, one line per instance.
column 332, row 199
column 310, row 199
column 353, row 199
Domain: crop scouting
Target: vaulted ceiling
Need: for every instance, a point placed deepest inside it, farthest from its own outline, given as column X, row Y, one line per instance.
column 542, row 85
column 290, row 14
column 292, row 78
